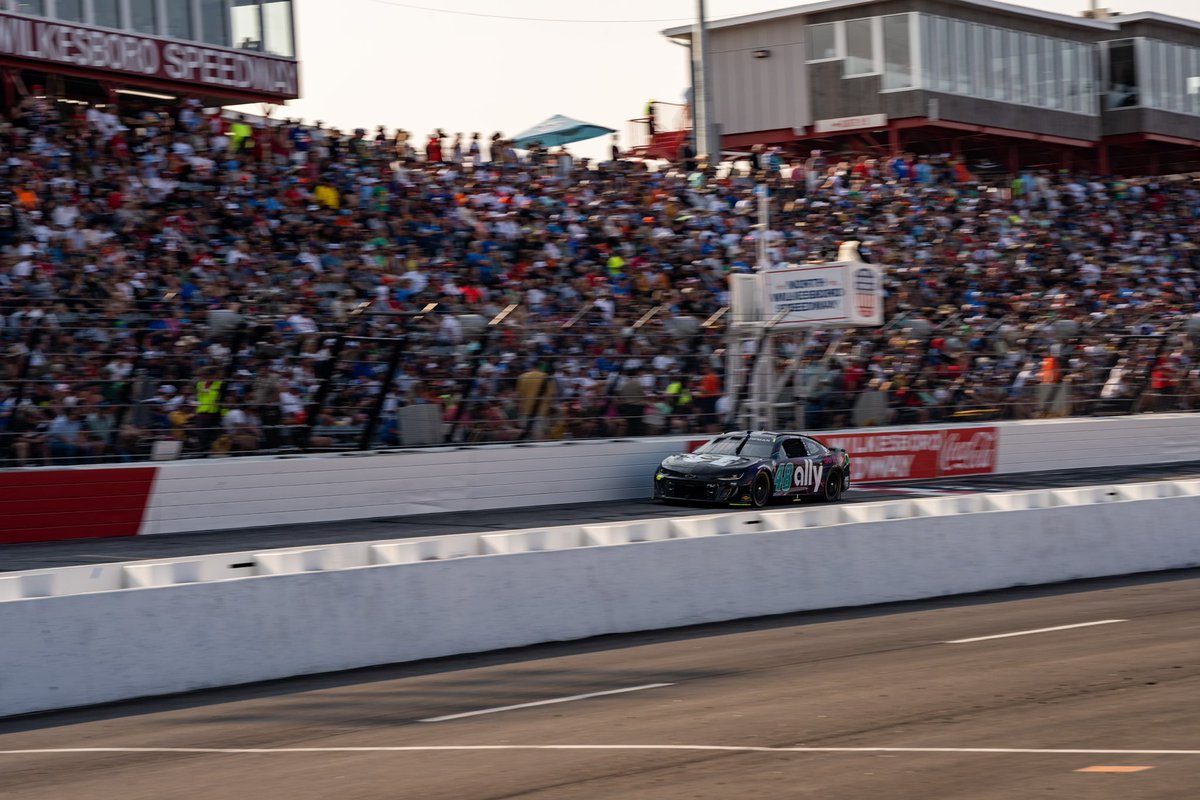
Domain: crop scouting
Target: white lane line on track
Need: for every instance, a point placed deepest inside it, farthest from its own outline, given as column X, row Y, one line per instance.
column 1036, row 630
column 552, row 701
column 592, row 747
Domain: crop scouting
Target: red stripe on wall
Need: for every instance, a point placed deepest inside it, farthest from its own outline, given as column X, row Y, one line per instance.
column 51, row 505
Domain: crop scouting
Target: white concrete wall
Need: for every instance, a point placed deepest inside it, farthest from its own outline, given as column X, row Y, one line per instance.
column 1082, row 442
column 74, row 650
column 238, row 493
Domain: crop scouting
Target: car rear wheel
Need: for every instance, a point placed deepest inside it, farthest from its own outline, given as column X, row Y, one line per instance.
column 834, row 485
column 760, row 492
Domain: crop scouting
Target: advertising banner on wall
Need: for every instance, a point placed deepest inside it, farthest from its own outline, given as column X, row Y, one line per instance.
column 916, row 455
column 913, row 455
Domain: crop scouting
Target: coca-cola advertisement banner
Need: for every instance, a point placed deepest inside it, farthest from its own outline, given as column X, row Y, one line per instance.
column 906, row 455
column 119, row 53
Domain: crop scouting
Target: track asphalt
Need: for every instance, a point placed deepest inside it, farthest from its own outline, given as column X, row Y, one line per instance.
column 1094, row 698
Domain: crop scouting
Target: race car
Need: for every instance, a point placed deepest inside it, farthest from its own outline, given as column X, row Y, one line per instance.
column 752, row 468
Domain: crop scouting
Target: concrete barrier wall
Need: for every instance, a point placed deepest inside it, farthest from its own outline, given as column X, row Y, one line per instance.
column 1103, row 442
column 231, row 493
column 108, row 645
column 238, row 493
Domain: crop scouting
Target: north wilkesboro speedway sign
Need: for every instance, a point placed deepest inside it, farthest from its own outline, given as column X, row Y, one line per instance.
column 848, row 292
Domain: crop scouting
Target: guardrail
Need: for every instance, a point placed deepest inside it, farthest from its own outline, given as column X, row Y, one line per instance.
column 86, row 635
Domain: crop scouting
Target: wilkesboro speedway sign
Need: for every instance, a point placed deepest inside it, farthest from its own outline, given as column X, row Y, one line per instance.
column 845, row 293
column 121, row 53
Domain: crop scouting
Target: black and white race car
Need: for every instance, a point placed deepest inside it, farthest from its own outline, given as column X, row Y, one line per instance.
column 751, row 468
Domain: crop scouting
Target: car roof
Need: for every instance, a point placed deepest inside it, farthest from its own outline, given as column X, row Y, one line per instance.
column 764, row 433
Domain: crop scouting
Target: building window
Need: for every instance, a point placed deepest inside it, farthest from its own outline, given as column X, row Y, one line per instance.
column 1122, row 86
column 214, row 22
column 69, row 10
column 1193, row 81
column 940, row 50
column 1051, row 73
column 1008, row 66
column 999, row 55
column 144, row 16
column 1175, row 56
column 246, row 21
column 981, row 45
column 1154, row 90
column 107, row 13
column 277, row 27
column 961, row 34
column 897, row 53
column 1015, row 68
column 1089, row 78
column 822, row 42
column 860, row 50
column 1072, row 98
column 35, row 7
column 179, row 20
column 1029, row 69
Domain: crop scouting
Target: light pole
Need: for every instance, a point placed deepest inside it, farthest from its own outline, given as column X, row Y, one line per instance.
column 708, row 143
column 764, row 226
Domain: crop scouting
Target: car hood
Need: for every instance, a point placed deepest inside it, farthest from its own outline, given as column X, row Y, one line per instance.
column 705, row 465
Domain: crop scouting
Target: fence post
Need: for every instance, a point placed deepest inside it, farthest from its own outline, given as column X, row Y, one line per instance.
column 35, row 336
column 465, row 394
column 126, row 397
column 313, row 411
column 235, row 346
column 393, row 364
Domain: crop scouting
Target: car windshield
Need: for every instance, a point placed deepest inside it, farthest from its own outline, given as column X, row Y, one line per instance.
column 742, row 445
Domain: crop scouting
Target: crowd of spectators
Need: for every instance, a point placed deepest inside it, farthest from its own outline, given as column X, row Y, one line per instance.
column 182, row 275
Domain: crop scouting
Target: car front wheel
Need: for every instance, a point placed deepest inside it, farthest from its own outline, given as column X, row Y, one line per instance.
column 760, row 492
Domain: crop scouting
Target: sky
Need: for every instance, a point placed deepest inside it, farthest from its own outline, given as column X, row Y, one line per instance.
column 426, row 64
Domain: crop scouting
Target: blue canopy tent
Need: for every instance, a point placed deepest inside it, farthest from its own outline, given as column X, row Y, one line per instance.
column 557, row 131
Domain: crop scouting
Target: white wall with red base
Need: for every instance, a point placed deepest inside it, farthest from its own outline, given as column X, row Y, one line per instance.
column 233, row 493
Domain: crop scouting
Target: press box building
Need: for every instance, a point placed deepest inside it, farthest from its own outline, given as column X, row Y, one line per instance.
column 980, row 79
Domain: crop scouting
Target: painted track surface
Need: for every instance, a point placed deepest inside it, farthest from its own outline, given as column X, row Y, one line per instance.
column 91, row 551
column 41, row 555
column 802, row 703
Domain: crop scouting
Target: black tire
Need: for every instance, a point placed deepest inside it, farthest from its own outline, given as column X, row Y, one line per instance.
column 760, row 491
column 835, row 484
